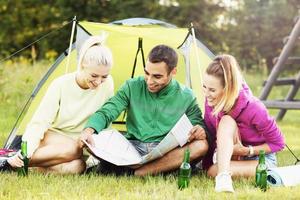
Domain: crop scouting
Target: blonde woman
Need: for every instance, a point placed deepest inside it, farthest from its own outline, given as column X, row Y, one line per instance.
column 239, row 123
column 69, row 101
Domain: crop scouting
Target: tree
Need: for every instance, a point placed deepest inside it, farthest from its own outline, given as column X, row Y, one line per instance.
column 256, row 28
column 24, row 21
column 204, row 16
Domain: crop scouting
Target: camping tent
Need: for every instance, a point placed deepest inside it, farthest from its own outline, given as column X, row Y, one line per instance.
column 128, row 39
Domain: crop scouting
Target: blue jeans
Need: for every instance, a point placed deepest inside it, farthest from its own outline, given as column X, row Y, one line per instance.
column 143, row 147
column 271, row 160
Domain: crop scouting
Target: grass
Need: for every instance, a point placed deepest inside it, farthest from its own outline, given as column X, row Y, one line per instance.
column 16, row 83
column 109, row 187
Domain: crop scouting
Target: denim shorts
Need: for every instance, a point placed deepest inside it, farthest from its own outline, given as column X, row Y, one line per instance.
column 270, row 158
column 143, row 147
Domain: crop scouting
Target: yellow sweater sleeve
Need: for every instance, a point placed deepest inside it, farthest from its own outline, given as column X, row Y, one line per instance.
column 42, row 118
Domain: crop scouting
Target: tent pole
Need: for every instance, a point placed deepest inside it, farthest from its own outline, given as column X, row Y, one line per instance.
column 197, row 54
column 70, row 45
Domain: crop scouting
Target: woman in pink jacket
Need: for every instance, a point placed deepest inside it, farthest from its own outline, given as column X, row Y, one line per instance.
column 239, row 124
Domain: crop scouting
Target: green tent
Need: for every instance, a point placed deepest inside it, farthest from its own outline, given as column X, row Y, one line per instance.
column 128, row 39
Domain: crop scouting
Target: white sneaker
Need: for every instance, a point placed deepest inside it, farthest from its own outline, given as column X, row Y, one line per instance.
column 91, row 161
column 224, row 182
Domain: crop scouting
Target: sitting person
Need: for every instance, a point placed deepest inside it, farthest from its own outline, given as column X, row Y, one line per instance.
column 69, row 101
column 154, row 104
column 239, row 123
column 9, row 163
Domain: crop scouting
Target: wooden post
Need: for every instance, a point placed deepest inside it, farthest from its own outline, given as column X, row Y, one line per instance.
column 292, row 93
column 281, row 61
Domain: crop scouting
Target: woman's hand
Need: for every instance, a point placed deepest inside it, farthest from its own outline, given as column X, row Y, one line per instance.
column 197, row 133
column 240, row 150
column 16, row 160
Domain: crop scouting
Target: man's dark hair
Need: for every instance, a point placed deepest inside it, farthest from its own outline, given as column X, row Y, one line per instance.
column 164, row 53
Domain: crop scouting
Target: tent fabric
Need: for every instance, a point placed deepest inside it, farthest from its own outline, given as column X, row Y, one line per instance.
column 123, row 41
column 142, row 22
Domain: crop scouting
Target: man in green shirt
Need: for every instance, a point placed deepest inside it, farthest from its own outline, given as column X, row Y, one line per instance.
column 154, row 104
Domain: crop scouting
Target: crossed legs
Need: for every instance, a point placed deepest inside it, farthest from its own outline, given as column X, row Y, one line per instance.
column 58, row 153
column 173, row 159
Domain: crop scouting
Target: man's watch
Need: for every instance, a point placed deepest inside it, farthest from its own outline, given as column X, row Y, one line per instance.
column 251, row 151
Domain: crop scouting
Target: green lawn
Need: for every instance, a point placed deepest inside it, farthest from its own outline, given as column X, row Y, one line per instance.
column 16, row 82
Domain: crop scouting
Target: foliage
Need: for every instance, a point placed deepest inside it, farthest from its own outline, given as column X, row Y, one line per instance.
column 204, row 16
column 24, row 21
column 252, row 30
column 257, row 28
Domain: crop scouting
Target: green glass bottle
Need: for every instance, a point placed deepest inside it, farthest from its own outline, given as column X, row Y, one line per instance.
column 23, row 171
column 261, row 172
column 185, row 171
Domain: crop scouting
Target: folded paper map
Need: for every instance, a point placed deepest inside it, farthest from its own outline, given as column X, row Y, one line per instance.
column 112, row 146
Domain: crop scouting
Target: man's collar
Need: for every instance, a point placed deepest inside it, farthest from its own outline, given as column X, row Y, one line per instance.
column 167, row 89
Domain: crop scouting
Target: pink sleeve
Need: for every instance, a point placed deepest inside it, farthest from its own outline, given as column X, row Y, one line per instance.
column 267, row 127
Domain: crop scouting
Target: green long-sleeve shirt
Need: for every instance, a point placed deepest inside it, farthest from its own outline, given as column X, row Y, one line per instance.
column 150, row 116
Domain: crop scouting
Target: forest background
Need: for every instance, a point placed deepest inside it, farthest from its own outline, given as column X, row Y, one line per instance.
column 251, row 30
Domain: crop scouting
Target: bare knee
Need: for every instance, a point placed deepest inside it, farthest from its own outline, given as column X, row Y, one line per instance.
column 227, row 125
column 71, row 151
column 212, row 171
column 227, row 120
column 198, row 148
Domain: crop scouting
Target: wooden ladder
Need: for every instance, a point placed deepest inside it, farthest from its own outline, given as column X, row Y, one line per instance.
column 284, row 58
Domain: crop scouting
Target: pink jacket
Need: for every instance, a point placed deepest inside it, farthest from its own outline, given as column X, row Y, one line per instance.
column 255, row 125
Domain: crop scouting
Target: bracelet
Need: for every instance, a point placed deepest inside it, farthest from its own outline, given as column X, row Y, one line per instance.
column 251, row 151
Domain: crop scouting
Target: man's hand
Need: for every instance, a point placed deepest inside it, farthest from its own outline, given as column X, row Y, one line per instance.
column 86, row 135
column 16, row 160
column 197, row 133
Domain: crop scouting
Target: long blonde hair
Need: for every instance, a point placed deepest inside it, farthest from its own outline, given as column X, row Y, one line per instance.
column 93, row 51
column 226, row 69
